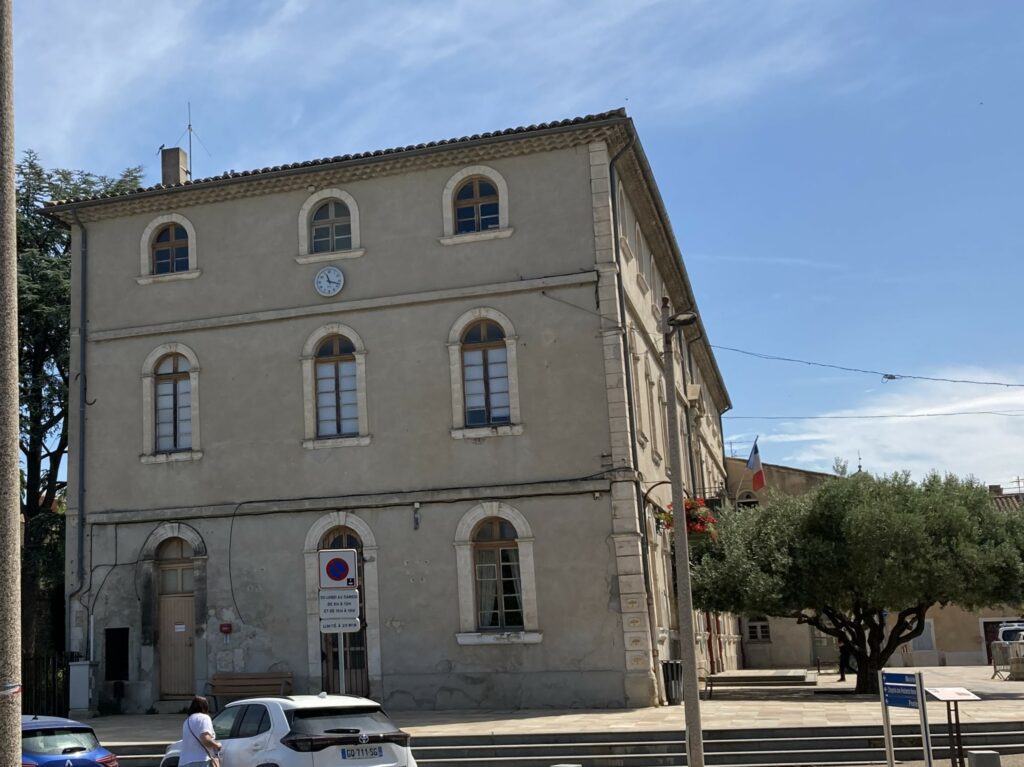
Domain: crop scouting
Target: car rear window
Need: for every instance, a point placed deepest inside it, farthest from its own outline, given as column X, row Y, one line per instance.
column 319, row 721
column 59, row 741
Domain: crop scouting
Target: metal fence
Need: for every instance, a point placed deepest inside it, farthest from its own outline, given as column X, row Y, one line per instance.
column 44, row 683
column 1003, row 656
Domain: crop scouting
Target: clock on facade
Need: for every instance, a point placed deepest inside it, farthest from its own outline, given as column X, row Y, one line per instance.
column 329, row 281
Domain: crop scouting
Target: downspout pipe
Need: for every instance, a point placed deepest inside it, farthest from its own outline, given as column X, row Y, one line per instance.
column 82, row 394
column 638, row 490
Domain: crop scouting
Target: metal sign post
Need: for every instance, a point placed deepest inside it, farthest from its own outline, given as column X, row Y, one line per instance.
column 952, row 697
column 339, row 598
column 904, row 691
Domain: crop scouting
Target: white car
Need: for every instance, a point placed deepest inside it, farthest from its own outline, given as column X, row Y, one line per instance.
column 306, row 731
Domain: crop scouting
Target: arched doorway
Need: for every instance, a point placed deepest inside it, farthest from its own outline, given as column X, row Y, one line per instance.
column 346, row 651
column 175, row 582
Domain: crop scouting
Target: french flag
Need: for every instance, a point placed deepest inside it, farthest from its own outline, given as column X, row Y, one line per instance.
column 754, row 465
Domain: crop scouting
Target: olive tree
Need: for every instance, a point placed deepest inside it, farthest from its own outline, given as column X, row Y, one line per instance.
column 863, row 558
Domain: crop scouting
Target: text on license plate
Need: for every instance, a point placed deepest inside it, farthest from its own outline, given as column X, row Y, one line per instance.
column 362, row 752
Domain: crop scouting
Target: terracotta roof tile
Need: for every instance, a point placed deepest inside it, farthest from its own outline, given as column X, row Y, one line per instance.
column 355, row 156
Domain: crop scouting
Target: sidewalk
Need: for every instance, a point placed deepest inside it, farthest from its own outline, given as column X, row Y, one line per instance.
column 830, row 703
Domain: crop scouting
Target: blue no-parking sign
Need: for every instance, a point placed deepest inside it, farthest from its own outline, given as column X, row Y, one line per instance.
column 339, row 568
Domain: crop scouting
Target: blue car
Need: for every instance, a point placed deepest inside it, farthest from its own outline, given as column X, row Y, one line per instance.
column 56, row 742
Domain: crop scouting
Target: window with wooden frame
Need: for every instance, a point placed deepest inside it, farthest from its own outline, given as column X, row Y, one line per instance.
column 169, row 250
column 174, row 559
column 476, row 206
column 499, row 591
column 336, row 389
column 173, row 404
column 485, row 375
column 330, row 228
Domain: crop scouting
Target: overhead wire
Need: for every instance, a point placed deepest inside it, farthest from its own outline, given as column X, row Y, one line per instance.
column 884, row 375
column 870, row 416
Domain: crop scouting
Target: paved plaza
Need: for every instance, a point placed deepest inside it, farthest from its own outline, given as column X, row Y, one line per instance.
column 830, row 703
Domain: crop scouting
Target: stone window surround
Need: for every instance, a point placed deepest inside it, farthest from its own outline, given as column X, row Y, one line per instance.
column 469, row 633
column 311, row 441
column 146, row 275
column 371, row 595
column 459, row 428
column 308, row 207
column 448, row 207
column 149, row 452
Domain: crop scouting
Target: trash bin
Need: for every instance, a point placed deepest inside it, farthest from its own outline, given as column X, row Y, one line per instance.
column 672, row 673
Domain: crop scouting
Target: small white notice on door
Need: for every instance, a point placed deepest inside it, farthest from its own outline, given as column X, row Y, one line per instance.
column 179, row 628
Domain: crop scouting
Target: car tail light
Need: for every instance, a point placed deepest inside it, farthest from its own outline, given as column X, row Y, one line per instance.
column 110, row 760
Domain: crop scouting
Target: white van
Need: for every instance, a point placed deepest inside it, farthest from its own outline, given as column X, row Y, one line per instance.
column 1011, row 632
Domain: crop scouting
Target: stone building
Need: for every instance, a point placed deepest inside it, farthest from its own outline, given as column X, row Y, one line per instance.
column 445, row 356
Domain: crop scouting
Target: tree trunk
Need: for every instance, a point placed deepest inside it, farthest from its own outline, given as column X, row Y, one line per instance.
column 867, row 676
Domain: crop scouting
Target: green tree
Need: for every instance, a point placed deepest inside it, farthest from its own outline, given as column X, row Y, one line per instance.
column 863, row 558
column 44, row 305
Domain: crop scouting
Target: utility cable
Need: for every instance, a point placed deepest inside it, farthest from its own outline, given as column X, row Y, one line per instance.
column 885, row 376
column 1003, row 413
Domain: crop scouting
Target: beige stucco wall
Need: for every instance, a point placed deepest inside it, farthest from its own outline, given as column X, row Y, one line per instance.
column 256, row 492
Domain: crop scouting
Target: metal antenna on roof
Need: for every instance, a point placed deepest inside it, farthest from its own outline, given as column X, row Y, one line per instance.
column 192, row 133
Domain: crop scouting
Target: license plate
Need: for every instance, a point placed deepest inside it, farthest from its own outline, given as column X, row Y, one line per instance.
column 362, row 752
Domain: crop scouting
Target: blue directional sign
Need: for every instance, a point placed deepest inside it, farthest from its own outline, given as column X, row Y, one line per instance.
column 899, row 690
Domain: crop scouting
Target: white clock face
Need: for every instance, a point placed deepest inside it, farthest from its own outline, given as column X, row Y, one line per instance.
column 329, row 281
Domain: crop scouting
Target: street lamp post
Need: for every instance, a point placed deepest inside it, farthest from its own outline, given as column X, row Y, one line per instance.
column 691, row 691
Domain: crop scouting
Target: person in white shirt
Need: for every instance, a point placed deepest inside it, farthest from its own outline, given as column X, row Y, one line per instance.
column 198, row 745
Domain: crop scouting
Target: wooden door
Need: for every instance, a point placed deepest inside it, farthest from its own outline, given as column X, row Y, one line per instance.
column 177, row 618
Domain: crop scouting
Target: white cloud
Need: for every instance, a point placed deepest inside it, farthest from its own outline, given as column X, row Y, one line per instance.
column 101, row 86
column 988, row 447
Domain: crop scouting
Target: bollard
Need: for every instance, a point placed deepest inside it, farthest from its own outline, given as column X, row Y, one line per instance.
column 983, row 758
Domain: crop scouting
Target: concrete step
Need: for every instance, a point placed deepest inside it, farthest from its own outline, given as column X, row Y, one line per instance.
column 747, row 747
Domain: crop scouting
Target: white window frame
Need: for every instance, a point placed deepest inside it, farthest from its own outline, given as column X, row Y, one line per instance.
column 306, row 211
column 448, row 207
column 149, row 452
column 763, row 630
column 146, row 276
column 459, row 429
column 311, row 442
column 469, row 633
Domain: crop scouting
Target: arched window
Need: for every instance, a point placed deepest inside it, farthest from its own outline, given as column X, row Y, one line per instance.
column 485, row 374
column 173, row 414
column 497, row 584
column 170, row 405
column 330, row 228
column 476, row 206
column 334, row 388
column 499, row 590
column 485, row 385
column 175, row 562
column 337, row 391
column 169, row 250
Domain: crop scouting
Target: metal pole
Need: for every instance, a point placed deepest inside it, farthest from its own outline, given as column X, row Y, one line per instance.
column 691, row 691
column 10, row 481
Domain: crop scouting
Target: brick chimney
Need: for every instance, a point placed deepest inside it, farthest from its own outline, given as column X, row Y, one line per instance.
column 174, row 166
column 995, row 490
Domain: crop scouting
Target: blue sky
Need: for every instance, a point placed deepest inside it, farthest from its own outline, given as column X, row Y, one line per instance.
column 844, row 178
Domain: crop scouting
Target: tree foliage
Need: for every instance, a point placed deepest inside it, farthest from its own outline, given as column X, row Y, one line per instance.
column 44, row 305
column 863, row 558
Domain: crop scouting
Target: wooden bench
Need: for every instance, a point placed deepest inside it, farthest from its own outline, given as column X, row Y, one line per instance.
column 248, row 684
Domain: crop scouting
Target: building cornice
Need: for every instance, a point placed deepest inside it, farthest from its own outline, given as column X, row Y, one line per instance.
column 610, row 127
